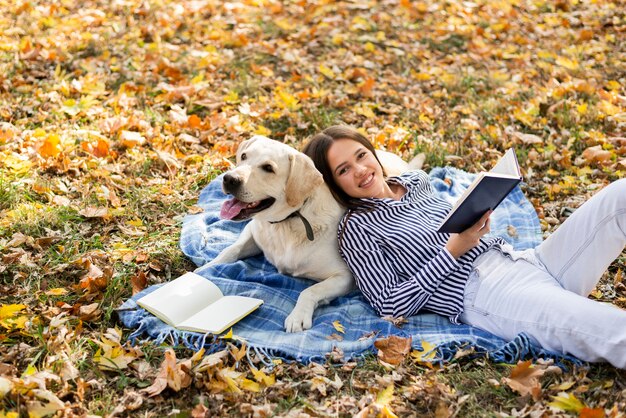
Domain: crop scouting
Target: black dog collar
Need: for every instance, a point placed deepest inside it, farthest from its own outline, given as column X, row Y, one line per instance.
column 307, row 225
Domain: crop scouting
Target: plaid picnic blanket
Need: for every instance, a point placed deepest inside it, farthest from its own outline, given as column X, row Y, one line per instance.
column 204, row 235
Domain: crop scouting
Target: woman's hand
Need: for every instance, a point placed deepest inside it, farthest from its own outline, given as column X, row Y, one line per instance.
column 459, row 244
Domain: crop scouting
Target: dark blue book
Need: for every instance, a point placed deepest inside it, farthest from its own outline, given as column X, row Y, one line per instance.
column 485, row 193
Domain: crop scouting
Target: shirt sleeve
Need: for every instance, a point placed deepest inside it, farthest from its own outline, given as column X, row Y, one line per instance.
column 378, row 279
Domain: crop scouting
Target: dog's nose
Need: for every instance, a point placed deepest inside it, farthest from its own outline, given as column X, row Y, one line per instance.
column 231, row 183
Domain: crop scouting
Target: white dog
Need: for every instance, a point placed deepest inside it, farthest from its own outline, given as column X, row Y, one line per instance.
column 294, row 220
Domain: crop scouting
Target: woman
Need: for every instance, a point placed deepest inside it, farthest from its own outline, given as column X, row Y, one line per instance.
column 389, row 239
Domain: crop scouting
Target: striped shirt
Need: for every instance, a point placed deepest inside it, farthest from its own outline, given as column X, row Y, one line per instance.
column 398, row 258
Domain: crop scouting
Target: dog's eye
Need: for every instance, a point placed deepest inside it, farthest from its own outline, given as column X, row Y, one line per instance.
column 243, row 156
column 268, row 168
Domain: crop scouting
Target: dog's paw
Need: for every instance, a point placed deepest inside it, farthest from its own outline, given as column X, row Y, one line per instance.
column 299, row 320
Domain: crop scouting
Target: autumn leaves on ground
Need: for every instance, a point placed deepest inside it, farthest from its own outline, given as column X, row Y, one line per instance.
column 114, row 115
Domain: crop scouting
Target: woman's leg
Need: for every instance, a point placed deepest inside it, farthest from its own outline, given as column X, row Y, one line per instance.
column 580, row 250
column 508, row 297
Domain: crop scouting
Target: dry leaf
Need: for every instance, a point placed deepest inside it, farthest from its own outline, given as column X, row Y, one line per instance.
column 94, row 212
column 393, row 350
column 595, row 155
column 170, row 375
column 139, row 281
column 525, row 376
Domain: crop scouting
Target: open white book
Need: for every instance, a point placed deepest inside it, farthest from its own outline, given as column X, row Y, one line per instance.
column 193, row 303
column 485, row 193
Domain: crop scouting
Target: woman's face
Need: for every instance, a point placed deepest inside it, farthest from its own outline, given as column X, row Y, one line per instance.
column 355, row 169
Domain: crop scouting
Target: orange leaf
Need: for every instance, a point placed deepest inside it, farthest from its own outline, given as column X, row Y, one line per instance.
column 50, row 146
column 99, row 149
column 591, row 413
column 139, row 282
column 524, row 378
column 366, row 87
column 596, row 155
column 393, row 350
column 194, row 121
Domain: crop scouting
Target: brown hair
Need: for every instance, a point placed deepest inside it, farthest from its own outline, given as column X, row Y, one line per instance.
column 317, row 150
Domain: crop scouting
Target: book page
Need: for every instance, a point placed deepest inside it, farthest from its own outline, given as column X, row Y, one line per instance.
column 507, row 165
column 181, row 298
column 221, row 314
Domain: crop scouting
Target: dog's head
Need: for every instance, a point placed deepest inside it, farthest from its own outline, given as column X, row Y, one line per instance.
column 270, row 181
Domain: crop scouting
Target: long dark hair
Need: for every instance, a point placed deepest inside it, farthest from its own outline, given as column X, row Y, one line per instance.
column 317, row 149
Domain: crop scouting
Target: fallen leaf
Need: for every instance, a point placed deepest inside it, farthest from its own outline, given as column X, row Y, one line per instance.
column 525, row 376
column 595, row 154
column 392, row 350
column 170, row 375
column 339, row 327
column 139, row 281
column 567, row 402
column 427, row 354
column 94, row 212
column 46, row 403
column 50, row 146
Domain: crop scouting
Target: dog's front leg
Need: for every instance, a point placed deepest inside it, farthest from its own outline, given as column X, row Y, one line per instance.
column 245, row 246
column 301, row 317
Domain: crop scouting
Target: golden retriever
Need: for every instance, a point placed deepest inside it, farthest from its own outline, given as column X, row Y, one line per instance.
column 294, row 220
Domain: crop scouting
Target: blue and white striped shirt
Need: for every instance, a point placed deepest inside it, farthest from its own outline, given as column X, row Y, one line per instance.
column 398, row 258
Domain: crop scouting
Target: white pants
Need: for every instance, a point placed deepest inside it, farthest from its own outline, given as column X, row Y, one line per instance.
column 543, row 292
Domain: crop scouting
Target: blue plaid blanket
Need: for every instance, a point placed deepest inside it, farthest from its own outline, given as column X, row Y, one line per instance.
column 204, row 235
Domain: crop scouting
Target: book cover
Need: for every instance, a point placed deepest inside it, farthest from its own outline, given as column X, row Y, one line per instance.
column 193, row 303
column 485, row 193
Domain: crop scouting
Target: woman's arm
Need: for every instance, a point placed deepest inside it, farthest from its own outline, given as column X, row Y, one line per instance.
column 459, row 244
column 377, row 277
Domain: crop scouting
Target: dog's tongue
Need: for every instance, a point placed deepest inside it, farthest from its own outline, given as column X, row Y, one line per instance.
column 231, row 208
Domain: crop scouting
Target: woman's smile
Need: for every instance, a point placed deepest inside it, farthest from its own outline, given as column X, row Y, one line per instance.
column 368, row 181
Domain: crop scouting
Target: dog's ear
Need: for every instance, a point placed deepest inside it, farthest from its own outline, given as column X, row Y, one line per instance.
column 303, row 179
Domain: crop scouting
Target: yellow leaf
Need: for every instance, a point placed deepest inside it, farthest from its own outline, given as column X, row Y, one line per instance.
column 262, row 378
column 337, row 39
column 567, row 402
column 369, row 47
column 386, row 412
column 326, row 71
column 231, row 97
column 239, row 353
column 526, row 116
column 230, row 377
column 19, row 164
column 111, row 355
column 613, row 85
column 135, row 222
column 250, row 385
column 608, row 108
column 339, row 327
column 8, row 311
column 570, row 64
column 421, row 76
column 57, row 291
column 285, row 100
column 30, row 370
column 582, row 108
column 9, row 318
column 364, row 110
column 39, row 133
column 262, row 130
column 427, row 353
column 385, row 396
column 228, row 335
